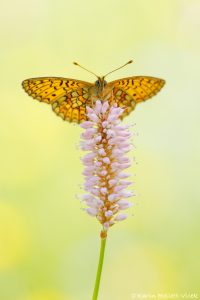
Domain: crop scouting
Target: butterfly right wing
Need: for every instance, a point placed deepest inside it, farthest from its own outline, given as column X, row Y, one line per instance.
column 127, row 92
column 67, row 96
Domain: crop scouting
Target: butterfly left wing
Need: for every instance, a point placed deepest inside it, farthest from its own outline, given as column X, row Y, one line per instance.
column 67, row 96
column 127, row 92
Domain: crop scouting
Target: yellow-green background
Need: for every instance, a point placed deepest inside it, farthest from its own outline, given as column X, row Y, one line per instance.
column 48, row 245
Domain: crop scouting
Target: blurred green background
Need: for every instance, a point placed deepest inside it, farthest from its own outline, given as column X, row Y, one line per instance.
column 48, row 246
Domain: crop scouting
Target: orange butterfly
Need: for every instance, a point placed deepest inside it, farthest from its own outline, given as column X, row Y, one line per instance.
column 69, row 97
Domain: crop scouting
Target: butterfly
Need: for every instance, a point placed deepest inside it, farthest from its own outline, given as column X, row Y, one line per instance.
column 70, row 97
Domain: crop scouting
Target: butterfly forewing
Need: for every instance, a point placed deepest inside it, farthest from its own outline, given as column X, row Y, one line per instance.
column 67, row 96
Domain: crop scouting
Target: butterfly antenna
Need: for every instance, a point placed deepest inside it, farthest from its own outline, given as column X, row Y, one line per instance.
column 129, row 62
column 76, row 64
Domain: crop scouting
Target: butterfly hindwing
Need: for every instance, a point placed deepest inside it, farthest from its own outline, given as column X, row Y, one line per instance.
column 72, row 106
column 127, row 92
column 123, row 100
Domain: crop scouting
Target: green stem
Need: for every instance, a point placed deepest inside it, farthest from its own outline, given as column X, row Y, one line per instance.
column 99, row 270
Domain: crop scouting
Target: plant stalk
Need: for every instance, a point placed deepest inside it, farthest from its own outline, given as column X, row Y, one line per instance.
column 99, row 269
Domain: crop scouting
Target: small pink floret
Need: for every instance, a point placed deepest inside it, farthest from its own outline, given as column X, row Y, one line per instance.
column 106, row 160
column 86, row 124
column 121, row 217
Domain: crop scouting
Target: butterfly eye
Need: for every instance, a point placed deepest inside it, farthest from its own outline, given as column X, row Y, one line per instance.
column 97, row 83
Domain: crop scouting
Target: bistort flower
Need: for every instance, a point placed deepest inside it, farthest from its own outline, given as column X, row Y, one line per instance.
column 107, row 142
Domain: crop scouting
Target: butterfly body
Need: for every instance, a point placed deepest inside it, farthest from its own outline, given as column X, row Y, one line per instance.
column 70, row 97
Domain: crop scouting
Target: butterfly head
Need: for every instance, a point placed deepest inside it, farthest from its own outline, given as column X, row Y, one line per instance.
column 100, row 83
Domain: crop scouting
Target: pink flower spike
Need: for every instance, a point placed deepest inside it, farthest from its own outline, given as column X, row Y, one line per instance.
column 108, row 141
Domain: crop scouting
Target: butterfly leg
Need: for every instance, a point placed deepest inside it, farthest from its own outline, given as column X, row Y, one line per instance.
column 92, row 102
column 112, row 97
